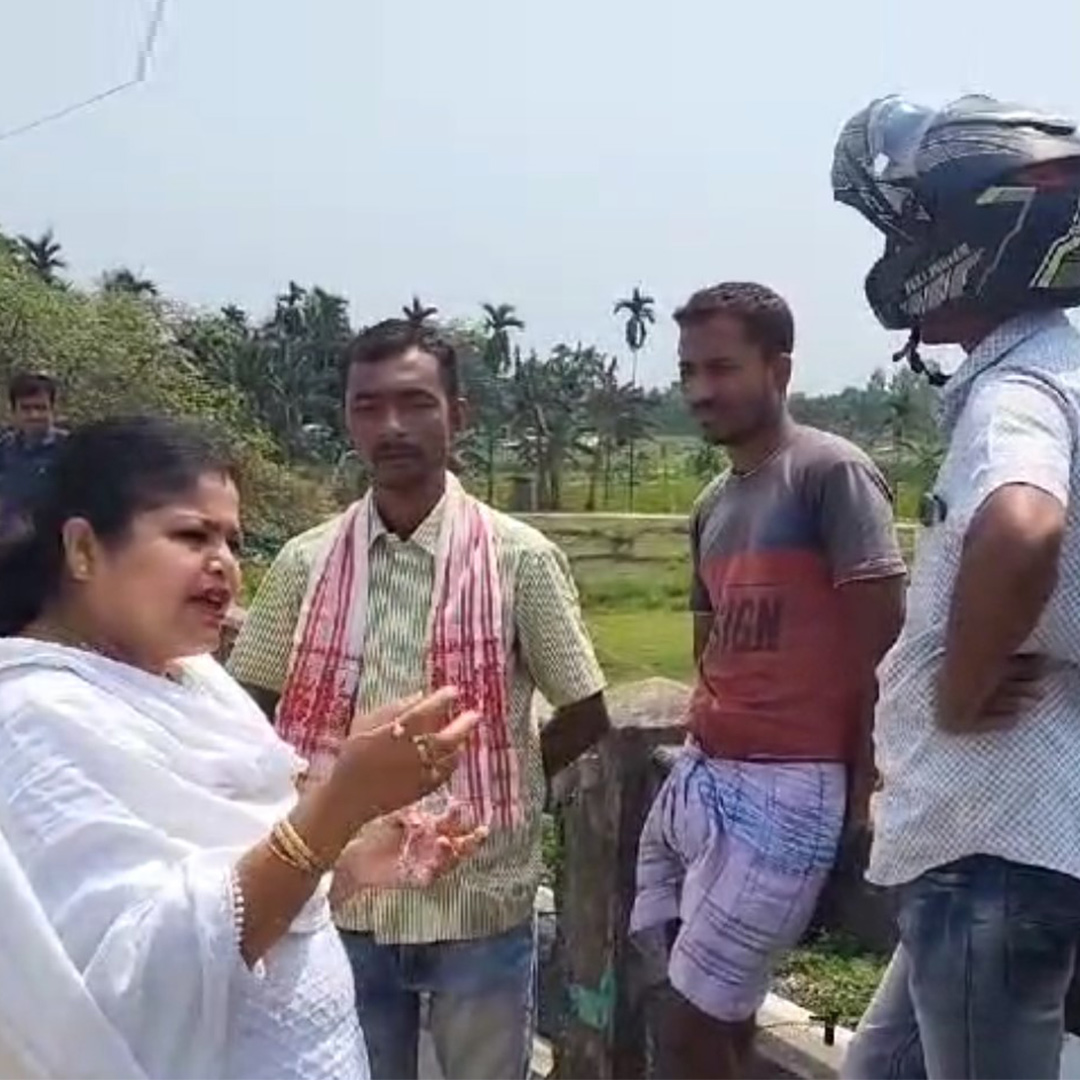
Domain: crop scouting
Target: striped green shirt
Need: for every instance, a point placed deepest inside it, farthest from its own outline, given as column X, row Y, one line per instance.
column 551, row 653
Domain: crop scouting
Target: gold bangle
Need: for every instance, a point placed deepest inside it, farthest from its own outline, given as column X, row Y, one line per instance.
column 293, row 843
column 279, row 852
column 291, row 848
column 301, row 847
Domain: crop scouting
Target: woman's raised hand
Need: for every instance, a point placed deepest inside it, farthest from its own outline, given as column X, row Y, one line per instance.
column 403, row 752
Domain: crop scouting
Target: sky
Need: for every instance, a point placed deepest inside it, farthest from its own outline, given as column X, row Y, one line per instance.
column 551, row 155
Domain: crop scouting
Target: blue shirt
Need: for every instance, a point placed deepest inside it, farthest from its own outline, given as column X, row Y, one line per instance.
column 24, row 467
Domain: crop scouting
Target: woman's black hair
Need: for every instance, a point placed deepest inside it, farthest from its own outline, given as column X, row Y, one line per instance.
column 107, row 473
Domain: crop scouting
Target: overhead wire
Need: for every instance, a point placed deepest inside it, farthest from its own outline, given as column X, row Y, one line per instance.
column 142, row 67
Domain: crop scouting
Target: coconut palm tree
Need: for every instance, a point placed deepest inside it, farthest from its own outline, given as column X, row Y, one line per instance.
column 122, row 280
column 417, row 313
column 42, row 255
column 640, row 313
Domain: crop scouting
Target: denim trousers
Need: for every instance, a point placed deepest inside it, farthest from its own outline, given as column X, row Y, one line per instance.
column 480, row 995
column 976, row 989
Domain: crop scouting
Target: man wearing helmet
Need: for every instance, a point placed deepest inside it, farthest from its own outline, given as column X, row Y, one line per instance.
column 977, row 828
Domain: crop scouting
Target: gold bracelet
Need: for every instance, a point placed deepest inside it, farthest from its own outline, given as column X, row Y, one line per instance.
column 279, row 852
column 291, row 848
column 298, row 851
column 301, row 847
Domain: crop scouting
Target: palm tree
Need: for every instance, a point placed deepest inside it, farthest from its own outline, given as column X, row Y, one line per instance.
column 235, row 316
column 497, row 353
column 287, row 321
column 42, row 255
column 640, row 314
column 499, row 321
column 122, row 280
column 417, row 313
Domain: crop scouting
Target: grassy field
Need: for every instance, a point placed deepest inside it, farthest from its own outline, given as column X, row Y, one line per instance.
column 633, row 645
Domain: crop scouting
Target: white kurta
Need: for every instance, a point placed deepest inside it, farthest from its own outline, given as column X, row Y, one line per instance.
column 125, row 800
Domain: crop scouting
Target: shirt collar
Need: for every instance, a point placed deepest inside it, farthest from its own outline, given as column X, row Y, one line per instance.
column 425, row 535
column 18, row 438
column 1008, row 336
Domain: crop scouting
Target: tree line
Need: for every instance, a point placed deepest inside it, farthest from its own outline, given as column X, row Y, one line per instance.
column 539, row 417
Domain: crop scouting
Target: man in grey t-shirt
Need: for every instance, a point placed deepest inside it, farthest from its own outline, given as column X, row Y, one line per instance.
column 978, row 723
column 795, row 565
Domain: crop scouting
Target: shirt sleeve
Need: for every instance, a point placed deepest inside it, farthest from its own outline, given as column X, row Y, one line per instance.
column 1015, row 432
column 263, row 647
column 700, row 601
column 552, row 637
column 856, row 523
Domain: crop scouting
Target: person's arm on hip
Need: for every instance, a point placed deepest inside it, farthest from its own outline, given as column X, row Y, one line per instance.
column 1008, row 567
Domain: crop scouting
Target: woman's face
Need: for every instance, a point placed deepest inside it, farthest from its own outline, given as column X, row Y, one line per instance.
column 162, row 591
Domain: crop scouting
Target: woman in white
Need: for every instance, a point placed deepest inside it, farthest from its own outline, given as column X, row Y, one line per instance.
column 163, row 907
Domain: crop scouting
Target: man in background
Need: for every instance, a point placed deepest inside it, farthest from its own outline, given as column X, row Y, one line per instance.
column 28, row 448
column 797, row 593
column 421, row 583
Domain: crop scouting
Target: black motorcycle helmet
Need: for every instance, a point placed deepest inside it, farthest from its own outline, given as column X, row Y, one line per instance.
column 979, row 203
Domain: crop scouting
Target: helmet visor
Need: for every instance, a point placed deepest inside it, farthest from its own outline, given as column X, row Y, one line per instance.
column 874, row 162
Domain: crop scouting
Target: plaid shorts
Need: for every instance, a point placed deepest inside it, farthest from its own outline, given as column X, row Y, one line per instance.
column 737, row 852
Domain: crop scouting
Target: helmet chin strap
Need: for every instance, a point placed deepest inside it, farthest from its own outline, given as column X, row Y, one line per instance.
column 910, row 353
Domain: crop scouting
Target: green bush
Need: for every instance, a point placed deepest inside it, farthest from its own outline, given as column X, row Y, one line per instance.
column 114, row 354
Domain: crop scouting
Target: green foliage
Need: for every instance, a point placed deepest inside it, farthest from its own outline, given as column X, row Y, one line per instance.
column 113, row 353
column 284, row 372
column 832, row 977
column 893, row 419
column 569, row 408
column 123, row 280
column 565, row 424
column 670, row 413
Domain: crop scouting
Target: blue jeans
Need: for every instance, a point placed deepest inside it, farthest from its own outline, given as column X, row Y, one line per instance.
column 976, row 989
column 482, row 996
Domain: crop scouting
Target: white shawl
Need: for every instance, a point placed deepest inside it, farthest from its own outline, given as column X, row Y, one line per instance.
column 125, row 800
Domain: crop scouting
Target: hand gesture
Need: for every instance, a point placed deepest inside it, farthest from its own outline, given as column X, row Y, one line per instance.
column 403, row 752
column 376, row 858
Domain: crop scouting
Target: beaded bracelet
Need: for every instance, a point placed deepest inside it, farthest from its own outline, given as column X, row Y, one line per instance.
column 239, row 907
